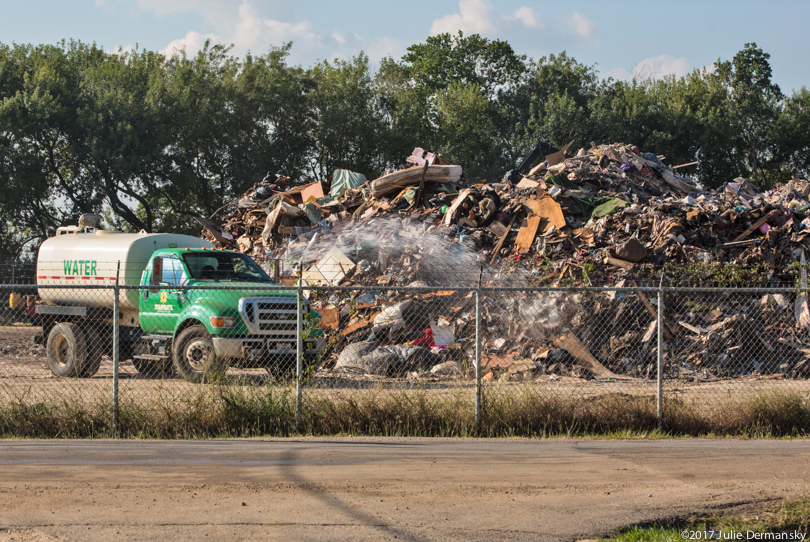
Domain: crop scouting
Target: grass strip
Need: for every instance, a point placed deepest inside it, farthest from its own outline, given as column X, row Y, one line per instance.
column 243, row 411
column 787, row 520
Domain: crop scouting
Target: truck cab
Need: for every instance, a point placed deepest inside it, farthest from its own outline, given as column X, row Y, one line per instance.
column 219, row 307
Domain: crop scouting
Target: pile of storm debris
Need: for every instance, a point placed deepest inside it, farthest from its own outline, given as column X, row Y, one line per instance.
column 609, row 211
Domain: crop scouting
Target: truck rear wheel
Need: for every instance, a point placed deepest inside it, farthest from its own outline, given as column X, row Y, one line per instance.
column 194, row 356
column 95, row 349
column 66, row 349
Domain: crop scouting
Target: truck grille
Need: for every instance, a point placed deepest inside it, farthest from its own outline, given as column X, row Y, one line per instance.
column 274, row 317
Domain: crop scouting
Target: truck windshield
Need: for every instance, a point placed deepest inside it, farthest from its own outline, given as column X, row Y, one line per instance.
column 223, row 266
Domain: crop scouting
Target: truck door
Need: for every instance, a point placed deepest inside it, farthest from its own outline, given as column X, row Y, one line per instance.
column 160, row 305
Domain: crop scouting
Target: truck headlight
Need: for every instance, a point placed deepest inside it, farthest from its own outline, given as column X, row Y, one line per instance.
column 221, row 322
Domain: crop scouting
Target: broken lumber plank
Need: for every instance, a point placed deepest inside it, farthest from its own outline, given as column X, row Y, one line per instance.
column 448, row 216
column 536, row 169
column 547, row 208
column 412, row 176
column 497, row 248
column 693, row 329
column 653, row 313
column 580, row 352
column 650, row 333
column 618, row 263
column 750, row 230
column 562, row 274
column 354, row 327
column 525, row 182
column 526, row 235
column 718, row 325
column 421, row 191
column 738, row 244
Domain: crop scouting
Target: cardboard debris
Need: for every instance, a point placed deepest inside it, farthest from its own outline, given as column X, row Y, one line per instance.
column 330, row 270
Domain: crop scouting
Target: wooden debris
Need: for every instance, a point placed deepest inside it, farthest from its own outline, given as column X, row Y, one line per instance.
column 526, row 234
column 619, row 263
column 572, row 344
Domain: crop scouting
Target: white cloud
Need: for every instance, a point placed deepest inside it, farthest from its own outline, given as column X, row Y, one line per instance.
column 379, row 48
column 524, row 28
column 528, row 17
column 474, row 16
column 256, row 25
column 376, row 49
column 652, row 68
column 190, row 43
column 582, row 26
column 275, row 31
column 241, row 25
column 248, row 26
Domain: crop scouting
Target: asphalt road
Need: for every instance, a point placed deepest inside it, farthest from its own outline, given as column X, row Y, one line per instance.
column 378, row 489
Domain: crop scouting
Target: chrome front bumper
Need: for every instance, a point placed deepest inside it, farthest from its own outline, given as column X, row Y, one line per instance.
column 254, row 348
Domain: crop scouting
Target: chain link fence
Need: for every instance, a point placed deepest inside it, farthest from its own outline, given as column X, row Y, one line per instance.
column 18, row 273
column 476, row 350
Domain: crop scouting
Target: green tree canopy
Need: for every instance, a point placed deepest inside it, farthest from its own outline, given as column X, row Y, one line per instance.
column 155, row 141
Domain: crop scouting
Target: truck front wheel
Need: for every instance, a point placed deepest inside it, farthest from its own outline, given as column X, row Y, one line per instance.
column 194, row 357
column 67, row 349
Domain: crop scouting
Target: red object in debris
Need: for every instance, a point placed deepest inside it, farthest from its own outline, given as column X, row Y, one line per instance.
column 427, row 340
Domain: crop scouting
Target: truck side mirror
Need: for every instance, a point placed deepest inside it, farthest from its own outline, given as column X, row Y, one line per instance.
column 157, row 274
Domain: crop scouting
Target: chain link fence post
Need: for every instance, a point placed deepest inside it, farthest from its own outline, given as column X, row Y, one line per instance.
column 660, row 357
column 116, row 354
column 299, row 349
column 478, row 357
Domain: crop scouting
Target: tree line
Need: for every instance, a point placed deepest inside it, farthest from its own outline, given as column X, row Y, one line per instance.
column 154, row 141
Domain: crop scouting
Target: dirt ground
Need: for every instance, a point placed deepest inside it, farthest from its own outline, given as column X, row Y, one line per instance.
column 24, row 373
column 379, row 489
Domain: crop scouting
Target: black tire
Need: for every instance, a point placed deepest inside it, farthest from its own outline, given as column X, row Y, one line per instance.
column 66, row 349
column 95, row 349
column 154, row 369
column 194, row 358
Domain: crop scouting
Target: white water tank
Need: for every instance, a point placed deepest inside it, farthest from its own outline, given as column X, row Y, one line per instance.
column 76, row 258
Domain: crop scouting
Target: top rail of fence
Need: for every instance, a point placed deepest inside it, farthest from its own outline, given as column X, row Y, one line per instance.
column 417, row 289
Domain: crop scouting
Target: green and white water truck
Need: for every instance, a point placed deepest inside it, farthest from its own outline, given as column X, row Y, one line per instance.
column 200, row 310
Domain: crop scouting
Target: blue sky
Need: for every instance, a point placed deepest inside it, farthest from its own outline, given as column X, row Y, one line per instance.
column 620, row 37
